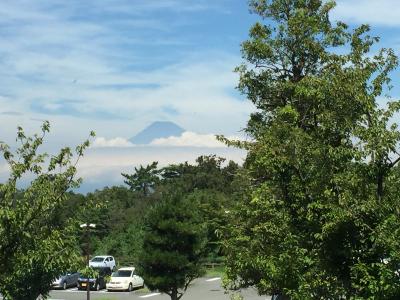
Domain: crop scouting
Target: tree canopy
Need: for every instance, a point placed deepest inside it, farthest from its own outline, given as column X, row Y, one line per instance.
column 321, row 217
column 35, row 249
column 143, row 179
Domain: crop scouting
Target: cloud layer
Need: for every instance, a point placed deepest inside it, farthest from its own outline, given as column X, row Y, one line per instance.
column 382, row 12
column 189, row 139
column 118, row 142
column 186, row 139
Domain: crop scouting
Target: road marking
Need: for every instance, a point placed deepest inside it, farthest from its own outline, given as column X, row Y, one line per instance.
column 150, row 295
column 213, row 279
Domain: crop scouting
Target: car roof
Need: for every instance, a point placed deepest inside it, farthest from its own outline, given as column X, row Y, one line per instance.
column 126, row 269
column 103, row 256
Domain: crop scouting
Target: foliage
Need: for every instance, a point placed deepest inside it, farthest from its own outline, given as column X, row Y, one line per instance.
column 207, row 174
column 213, row 206
column 173, row 245
column 124, row 244
column 321, row 216
column 236, row 296
column 34, row 248
column 89, row 272
column 143, row 179
column 210, row 182
column 118, row 213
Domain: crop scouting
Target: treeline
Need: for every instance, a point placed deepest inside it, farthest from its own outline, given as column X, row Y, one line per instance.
column 210, row 184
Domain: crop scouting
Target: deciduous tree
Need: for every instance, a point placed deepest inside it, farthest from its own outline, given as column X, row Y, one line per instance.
column 33, row 248
column 321, row 218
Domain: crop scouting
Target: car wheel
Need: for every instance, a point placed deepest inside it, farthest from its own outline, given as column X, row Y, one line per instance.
column 64, row 285
column 130, row 287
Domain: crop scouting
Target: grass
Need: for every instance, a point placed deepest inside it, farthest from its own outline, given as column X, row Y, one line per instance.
column 215, row 271
column 143, row 290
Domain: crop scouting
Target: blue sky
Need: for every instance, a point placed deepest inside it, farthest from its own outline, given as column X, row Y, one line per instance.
column 115, row 66
column 125, row 63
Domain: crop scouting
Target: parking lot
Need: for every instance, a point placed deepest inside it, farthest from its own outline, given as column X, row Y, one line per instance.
column 201, row 289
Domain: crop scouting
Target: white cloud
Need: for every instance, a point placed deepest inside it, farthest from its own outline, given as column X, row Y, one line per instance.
column 189, row 139
column 186, row 139
column 101, row 142
column 376, row 12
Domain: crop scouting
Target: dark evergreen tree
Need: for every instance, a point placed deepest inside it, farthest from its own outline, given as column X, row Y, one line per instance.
column 173, row 245
column 144, row 178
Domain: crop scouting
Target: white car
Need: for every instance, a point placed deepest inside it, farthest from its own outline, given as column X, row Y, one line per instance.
column 124, row 279
column 102, row 261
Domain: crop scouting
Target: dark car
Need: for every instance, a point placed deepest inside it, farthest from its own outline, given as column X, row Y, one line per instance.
column 97, row 283
column 66, row 280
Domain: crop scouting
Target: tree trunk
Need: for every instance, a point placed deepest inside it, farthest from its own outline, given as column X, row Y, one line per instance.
column 174, row 294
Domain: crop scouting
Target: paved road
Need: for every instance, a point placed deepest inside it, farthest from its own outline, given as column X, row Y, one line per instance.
column 201, row 289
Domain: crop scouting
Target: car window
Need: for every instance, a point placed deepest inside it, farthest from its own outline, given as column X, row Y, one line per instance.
column 122, row 273
column 97, row 259
column 111, row 259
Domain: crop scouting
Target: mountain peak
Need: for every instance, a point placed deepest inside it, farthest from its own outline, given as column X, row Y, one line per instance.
column 158, row 129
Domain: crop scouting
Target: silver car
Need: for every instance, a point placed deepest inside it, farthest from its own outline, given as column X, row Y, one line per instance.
column 65, row 281
column 102, row 261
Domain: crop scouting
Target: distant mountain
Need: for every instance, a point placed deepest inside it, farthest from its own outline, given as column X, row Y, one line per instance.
column 157, row 130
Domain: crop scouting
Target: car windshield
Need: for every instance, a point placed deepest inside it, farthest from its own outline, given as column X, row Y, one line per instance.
column 97, row 259
column 122, row 273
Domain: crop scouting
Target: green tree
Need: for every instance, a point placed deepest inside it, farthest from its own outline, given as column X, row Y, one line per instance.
column 173, row 245
column 208, row 182
column 143, row 179
column 320, row 218
column 118, row 213
column 213, row 206
column 35, row 249
column 207, row 174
